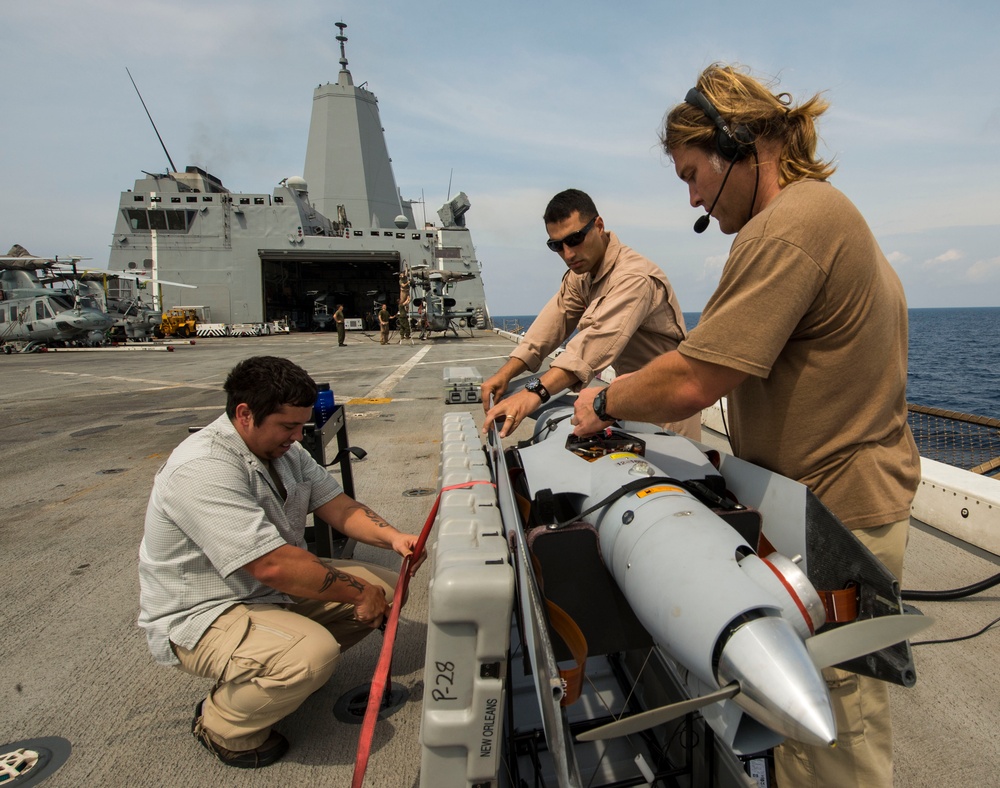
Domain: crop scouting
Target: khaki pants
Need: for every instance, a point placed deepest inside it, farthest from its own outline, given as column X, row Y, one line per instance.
column 689, row 428
column 863, row 755
column 267, row 659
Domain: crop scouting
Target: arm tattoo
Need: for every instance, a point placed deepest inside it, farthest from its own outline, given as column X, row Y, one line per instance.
column 374, row 518
column 334, row 575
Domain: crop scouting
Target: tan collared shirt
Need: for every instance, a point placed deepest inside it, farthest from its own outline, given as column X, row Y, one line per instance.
column 625, row 315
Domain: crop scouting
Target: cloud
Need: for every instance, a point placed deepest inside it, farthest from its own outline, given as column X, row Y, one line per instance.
column 951, row 256
column 712, row 267
column 897, row 258
column 984, row 270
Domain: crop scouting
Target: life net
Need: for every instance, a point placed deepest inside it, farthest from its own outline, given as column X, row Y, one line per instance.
column 969, row 442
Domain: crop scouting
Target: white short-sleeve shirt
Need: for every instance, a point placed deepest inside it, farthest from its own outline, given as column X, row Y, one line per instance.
column 213, row 509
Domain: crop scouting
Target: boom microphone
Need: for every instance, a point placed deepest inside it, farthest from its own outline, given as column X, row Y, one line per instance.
column 701, row 223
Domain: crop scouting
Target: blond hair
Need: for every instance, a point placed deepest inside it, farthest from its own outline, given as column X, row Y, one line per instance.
column 742, row 100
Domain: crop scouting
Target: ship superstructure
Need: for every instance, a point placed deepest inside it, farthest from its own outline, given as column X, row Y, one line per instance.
column 290, row 254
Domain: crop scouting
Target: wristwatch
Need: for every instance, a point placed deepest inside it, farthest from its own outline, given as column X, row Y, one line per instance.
column 535, row 387
column 600, row 405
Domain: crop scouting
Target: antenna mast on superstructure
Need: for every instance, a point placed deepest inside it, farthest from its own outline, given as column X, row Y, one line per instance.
column 171, row 161
column 343, row 67
column 342, row 39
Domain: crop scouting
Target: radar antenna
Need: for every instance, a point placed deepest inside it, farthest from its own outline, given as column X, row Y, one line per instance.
column 342, row 39
column 171, row 161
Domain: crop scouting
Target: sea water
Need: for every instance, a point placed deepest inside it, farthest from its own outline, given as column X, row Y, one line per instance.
column 955, row 360
column 954, row 357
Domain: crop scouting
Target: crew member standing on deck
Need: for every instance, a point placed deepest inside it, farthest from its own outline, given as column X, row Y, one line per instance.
column 807, row 335
column 338, row 319
column 422, row 320
column 383, row 324
column 621, row 306
column 403, row 312
column 227, row 588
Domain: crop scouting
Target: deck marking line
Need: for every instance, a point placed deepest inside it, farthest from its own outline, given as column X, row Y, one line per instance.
column 454, row 362
column 387, row 385
column 119, row 378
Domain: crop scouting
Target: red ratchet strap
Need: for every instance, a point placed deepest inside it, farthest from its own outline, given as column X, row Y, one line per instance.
column 381, row 677
column 790, row 589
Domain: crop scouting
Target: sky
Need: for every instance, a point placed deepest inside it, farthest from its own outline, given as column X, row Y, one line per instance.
column 510, row 102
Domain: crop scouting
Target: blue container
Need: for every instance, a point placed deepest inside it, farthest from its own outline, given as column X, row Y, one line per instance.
column 323, row 409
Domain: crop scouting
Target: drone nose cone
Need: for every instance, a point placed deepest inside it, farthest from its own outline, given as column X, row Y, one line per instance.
column 779, row 684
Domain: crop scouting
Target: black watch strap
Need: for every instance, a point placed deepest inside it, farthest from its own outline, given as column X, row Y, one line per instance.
column 601, row 405
column 535, row 386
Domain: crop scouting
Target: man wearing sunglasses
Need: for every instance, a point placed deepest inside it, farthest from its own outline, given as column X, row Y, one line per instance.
column 622, row 307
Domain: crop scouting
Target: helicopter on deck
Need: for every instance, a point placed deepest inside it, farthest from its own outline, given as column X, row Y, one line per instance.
column 34, row 315
column 119, row 294
column 431, row 290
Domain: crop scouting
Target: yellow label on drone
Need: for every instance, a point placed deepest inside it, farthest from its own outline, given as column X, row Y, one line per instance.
column 659, row 489
column 623, row 455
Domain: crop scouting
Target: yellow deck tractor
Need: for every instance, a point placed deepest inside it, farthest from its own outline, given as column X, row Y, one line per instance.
column 179, row 321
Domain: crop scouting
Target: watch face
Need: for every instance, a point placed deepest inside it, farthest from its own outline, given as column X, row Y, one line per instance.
column 599, row 405
column 535, row 387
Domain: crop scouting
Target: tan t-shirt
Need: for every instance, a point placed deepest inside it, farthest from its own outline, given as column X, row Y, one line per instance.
column 626, row 315
column 811, row 309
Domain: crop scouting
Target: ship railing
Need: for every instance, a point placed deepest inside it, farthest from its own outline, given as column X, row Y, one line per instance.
column 958, row 439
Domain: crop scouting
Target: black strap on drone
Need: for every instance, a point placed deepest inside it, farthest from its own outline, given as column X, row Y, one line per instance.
column 626, row 489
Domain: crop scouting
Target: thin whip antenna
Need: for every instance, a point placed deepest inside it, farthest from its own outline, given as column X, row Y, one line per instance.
column 449, row 184
column 172, row 167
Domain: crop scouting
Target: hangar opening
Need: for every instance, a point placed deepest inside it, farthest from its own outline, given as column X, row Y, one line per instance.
column 305, row 286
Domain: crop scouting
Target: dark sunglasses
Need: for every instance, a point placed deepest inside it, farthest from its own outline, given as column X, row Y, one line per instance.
column 573, row 239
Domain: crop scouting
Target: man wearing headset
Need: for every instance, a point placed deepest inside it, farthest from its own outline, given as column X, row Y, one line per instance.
column 807, row 335
column 621, row 306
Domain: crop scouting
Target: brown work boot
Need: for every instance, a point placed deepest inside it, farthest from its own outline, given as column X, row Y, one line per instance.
column 267, row 753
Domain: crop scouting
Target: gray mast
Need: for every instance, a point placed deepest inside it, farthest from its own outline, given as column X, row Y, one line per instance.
column 347, row 161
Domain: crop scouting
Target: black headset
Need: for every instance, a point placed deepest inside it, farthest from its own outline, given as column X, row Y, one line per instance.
column 733, row 143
